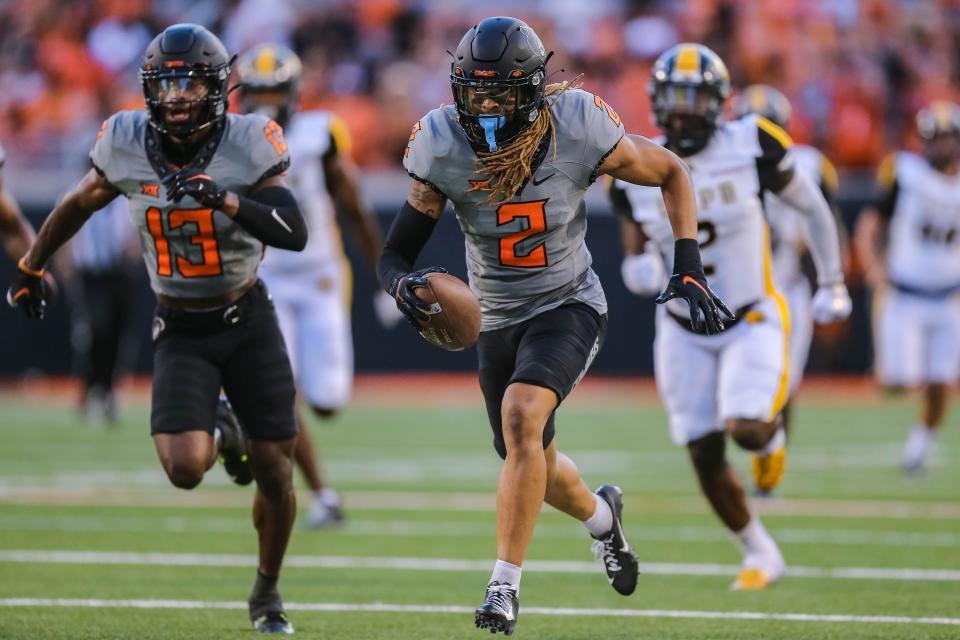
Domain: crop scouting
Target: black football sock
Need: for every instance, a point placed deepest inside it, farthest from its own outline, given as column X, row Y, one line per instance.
column 265, row 596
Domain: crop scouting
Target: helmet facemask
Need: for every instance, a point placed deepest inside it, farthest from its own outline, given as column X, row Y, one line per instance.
column 687, row 113
column 183, row 101
column 495, row 112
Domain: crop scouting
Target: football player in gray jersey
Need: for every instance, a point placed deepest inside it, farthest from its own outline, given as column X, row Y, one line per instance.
column 516, row 156
column 207, row 195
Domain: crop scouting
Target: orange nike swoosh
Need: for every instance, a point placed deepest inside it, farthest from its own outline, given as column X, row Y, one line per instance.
column 687, row 279
column 21, row 293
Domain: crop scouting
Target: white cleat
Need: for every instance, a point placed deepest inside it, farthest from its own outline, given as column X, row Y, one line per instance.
column 325, row 510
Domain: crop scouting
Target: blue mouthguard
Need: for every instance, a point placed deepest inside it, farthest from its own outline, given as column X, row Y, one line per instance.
column 490, row 125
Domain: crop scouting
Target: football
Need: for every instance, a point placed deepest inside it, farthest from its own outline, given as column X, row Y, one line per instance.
column 454, row 317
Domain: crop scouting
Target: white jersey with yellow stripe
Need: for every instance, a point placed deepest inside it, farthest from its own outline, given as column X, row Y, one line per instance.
column 311, row 137
column 922, row 205
column 732, row 229
column 787, row 234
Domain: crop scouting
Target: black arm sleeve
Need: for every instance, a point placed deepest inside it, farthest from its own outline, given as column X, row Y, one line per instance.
column 272, row 216
column 406, row 238
column 773, row 175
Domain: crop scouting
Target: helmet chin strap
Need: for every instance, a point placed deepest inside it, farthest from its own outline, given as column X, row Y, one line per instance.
column 490, row 125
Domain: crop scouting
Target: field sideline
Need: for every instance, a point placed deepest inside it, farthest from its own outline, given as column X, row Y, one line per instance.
column 94, row 544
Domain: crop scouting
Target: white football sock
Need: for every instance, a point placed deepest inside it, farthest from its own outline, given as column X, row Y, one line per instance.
column 601, row 522
column 918, row 445
column 328, row 497
column 778, row 440
column 506, row 573
column 754, row 538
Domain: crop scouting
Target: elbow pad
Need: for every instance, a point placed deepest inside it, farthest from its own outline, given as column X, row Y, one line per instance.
column 643, row 274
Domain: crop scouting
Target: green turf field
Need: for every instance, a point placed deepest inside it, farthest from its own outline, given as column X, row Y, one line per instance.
column 94, row 544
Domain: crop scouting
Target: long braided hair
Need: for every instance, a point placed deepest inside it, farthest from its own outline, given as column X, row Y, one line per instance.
column 508, row 168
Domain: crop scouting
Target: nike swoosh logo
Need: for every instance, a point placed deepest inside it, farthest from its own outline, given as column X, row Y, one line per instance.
column 687, row 279
column 537, row 183
column 276, row 216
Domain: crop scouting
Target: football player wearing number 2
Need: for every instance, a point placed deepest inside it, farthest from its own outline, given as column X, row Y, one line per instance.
column 206, row 193
column 735, row 383
column 516, row 156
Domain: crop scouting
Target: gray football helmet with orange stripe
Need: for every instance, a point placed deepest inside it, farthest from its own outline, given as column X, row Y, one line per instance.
column 689, row 86
column 763, row 100
column 269, row 76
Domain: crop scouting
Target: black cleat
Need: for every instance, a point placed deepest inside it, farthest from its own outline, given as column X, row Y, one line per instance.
column 233, row 445
column 619, row 559
column 273, row 622
column 499, row 611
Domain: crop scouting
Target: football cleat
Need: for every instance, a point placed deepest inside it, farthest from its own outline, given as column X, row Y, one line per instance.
column 768, row 471
column 760, row 570
column 233, row 445
column 273, row 622
column 499, row 611
column 619, row 559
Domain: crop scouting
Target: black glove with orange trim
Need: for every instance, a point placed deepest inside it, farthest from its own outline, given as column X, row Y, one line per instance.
column 28, row 291
column 195, row 184
column 405, row 293
column 690, row 283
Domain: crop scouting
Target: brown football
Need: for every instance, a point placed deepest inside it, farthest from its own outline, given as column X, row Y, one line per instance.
column 454, row 321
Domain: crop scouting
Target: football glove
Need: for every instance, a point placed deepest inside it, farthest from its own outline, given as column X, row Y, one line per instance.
column 28, row 291
column 195, row 184
column 405, row 293
column 689, row 282
column 831, row 303
column 643, row 274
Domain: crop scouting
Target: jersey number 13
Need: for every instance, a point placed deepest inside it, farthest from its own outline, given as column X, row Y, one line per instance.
column 205, row 238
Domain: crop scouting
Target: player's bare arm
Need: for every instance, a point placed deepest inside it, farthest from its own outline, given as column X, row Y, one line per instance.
column 640, row 161
column 15, row 232
column 866, row 242
column 426, row 199
column 91, row 194
column 341, row 179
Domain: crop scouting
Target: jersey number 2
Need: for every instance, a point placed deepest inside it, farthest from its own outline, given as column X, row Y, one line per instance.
column 536, row 217
column 205, row 238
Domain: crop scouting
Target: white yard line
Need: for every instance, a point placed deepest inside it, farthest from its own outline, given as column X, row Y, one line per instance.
column 450, row 609
column 449, row 564
column 445, row 529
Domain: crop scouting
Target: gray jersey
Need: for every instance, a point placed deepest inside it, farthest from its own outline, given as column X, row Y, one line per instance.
column 527, row 255
column 191, row 251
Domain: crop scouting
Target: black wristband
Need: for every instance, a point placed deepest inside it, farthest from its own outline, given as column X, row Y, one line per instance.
column 686, row 256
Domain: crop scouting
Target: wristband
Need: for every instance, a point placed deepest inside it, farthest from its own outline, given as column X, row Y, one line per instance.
column 686, row 256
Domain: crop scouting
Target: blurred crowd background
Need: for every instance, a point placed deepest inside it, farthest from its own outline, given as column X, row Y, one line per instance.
column 855, row 70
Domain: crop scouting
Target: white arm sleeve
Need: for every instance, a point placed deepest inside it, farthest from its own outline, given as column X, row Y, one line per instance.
column 802, row 194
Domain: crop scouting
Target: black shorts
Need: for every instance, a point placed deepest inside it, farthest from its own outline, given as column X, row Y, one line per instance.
column 239, row 348
column 551, row 350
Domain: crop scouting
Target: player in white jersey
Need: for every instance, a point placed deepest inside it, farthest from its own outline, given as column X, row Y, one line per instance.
column 788, row 240
column 311, row 289
column 916, row 280
column 735, row 382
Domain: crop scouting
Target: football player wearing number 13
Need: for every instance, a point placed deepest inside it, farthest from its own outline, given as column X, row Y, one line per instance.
column 206, row 194
column 735, row 383
column 516, row 156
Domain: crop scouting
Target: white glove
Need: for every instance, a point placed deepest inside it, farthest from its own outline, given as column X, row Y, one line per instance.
column 385, row 307
column 831, row 303
column 643, row 274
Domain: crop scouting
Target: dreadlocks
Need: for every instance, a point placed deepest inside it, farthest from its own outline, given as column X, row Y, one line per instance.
column 508, row 168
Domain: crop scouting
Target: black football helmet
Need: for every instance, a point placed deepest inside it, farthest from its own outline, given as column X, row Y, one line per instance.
column 498, row 75
column 689, row 86
column 763, row 100
column 270, row 69
column 184, row 76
